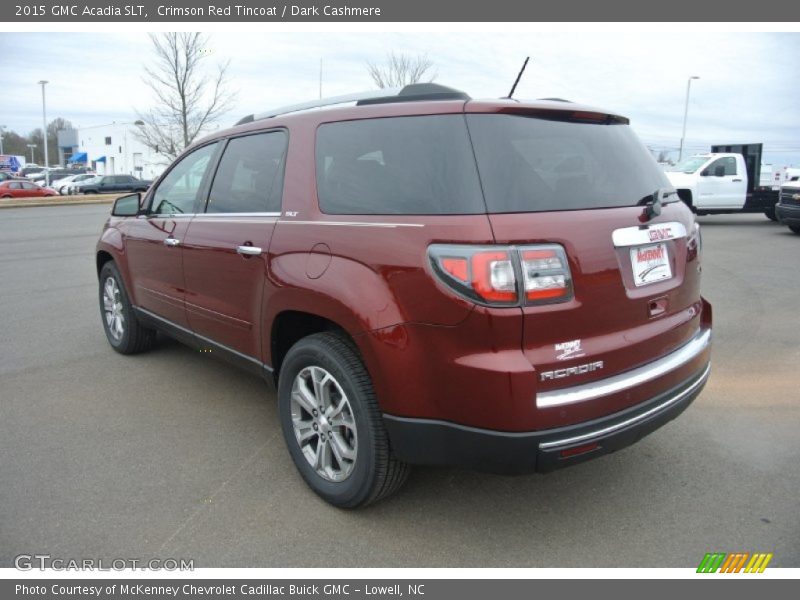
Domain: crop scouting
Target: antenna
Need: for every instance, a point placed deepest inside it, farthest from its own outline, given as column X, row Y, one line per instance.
column 521, row 71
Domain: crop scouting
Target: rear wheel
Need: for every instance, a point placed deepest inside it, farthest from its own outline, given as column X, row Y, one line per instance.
column 770, row 214
column 124, row 331
column 332, row 423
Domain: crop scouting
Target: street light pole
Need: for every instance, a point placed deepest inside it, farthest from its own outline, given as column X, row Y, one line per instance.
column 44, row 133
column 686, row 114
column 32, row 147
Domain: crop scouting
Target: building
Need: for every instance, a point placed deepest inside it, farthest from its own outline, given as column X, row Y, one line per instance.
column 110, row 149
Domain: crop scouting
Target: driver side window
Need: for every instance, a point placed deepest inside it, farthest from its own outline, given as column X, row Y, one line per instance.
column 727, row 165
column 178, row 191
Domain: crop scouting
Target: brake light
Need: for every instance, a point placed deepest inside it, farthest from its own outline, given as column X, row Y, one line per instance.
column 491, row 274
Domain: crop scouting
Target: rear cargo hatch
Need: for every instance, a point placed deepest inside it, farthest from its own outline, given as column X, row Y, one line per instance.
column 581, row 181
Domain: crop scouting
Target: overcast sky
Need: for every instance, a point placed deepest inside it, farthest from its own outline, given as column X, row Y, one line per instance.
column 748, row 90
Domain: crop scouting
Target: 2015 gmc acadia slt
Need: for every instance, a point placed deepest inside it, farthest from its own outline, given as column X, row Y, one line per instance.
column 426, row 278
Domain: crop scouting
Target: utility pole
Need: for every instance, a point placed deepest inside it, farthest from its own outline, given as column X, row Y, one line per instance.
column 44, row 133
column 685, row 114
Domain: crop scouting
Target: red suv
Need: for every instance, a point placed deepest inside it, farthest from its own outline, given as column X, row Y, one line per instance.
column 427, row 279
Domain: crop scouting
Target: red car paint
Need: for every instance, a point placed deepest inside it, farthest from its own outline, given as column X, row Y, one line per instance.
column 16, row 188
column 432, row 354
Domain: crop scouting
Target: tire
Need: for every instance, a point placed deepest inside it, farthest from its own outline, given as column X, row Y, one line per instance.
column 770, row 214
column 795, row 228
column 356, row 424
column 126, row 335
column 87, row 192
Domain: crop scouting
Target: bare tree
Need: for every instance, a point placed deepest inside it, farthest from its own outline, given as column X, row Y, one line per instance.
column 189, row 99
column 401, row 69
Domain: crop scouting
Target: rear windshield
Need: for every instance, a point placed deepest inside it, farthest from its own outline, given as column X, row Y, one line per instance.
column 398, row 165
column 528, row 164
column 425, row 165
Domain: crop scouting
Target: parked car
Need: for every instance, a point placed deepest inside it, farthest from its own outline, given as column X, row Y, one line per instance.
column 788, row 208
column 13, row 188
column 426, row 279
column 62, row 185
column 55, row 173
column 30, row 169
column 110, row 183
column 5, row 176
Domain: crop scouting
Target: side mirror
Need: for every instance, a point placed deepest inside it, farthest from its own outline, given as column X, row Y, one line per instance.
column 719, row 171
column 705, row 173
column 127, row 206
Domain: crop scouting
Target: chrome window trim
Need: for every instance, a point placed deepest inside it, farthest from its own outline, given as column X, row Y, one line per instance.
column 629, row 379
column 586, row 437
column 353, row 223
column 210, row 215
column 272, row 215
column 639, row 236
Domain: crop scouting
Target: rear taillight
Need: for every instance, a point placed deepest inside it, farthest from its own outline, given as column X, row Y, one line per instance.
column 504, row 275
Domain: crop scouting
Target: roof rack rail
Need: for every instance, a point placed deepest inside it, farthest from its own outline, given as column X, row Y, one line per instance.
column 557, row 100
column 414, row 92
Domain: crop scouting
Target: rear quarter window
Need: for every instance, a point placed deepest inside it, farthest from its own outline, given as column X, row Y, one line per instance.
column 420, row 165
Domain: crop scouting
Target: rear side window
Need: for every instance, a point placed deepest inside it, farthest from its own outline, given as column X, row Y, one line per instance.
column 399, row 165
column 529, row 164
column 250, row 175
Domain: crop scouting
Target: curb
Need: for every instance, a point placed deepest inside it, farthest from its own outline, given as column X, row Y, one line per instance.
column 62, row 201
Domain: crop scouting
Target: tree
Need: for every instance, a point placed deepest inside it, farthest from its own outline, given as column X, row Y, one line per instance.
column 189, row 99
column 401, row 69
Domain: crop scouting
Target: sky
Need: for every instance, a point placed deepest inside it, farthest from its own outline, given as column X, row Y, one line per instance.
column 748, row 89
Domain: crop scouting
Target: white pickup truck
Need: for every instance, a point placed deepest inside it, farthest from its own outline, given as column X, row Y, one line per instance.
column 725, row 181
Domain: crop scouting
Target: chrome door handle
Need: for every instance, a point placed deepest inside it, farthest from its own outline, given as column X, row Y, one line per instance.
column 171, row 242
column 737, row 180
column 248, row 250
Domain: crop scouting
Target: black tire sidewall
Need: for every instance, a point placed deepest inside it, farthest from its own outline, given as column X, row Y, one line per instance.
column 356, row 488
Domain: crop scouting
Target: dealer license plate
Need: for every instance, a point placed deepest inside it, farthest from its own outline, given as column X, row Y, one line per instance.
column 650, row 264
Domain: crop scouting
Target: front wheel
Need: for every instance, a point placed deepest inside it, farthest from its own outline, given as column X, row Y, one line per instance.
column 770, row 214
column 795, row 228
column 332, row 423
column 124, row 331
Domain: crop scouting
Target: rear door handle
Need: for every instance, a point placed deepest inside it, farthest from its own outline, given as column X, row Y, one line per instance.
column 171, row 241
column 248, row 250
column 737, row 179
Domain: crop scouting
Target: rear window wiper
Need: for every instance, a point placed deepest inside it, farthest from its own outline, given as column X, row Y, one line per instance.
column 662, row 193
column 652, row 203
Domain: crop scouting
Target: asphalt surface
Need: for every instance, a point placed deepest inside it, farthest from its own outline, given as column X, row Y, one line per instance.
column 172, row 454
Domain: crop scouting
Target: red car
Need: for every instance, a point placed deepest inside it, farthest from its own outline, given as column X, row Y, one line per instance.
column 24, row 189
column 426, row 279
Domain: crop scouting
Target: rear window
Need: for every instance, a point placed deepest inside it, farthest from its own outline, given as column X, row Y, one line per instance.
column 528, row 164
column 420, row 165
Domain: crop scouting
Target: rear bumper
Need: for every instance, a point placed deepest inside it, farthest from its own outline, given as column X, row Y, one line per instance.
column 788, row 214
column 440, row 443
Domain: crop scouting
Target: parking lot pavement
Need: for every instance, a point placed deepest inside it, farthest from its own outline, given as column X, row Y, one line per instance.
column 172, row 454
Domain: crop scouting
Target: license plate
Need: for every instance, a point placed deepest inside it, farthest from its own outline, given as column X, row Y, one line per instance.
column 650, row 264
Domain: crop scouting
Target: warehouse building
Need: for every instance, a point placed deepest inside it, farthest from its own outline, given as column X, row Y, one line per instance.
column 110, row 149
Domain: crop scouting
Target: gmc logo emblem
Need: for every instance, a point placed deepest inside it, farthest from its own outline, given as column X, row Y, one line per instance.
column 664, row 233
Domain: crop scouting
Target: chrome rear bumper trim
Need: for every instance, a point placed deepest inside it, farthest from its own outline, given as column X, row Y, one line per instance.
column 624, row 381
column 588, row 437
